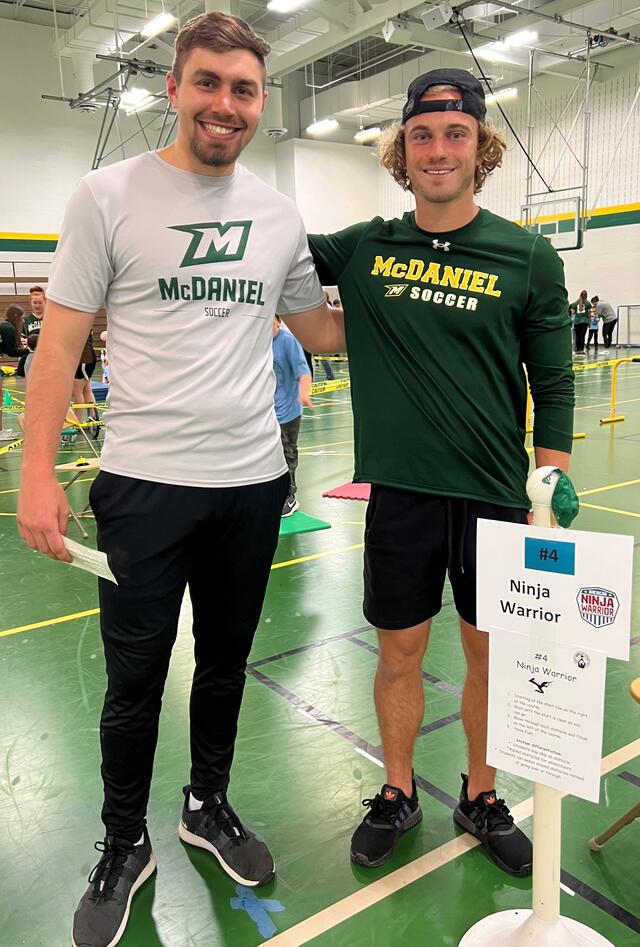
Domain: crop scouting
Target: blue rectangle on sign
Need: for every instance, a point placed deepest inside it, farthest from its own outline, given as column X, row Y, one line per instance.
column 545, row 555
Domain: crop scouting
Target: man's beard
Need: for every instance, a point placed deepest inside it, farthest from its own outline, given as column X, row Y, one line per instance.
column 215, row 155
column 444, row 197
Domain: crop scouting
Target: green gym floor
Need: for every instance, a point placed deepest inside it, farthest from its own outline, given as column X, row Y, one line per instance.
column 308, row 750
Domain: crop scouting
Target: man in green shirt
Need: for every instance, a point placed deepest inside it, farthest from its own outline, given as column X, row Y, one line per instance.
column 441, row 309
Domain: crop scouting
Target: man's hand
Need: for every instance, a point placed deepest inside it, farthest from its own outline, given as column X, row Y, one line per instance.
column 43, row 514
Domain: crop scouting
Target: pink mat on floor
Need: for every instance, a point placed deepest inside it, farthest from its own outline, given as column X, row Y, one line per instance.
column 350, row 491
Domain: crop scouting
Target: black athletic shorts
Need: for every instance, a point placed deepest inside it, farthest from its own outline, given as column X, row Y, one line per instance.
column 85, row 370
column 411, row 541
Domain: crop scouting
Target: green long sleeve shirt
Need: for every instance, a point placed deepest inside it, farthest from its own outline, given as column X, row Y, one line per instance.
column 439, row 330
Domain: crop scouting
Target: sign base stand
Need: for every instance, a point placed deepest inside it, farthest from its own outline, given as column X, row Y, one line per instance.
column 524, row 929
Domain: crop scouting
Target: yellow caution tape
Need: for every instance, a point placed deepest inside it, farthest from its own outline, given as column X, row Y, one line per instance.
column 584, row 368
column 5, row 450
column 320, row 387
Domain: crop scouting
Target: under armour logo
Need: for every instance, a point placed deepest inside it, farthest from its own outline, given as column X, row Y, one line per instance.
column 441, row 246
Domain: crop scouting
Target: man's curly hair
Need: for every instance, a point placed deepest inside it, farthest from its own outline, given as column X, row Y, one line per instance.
column 491, row 148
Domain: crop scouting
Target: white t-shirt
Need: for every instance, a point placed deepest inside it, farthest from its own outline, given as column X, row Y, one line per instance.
column 191, row 270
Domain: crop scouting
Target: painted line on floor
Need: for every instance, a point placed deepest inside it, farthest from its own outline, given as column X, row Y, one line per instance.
column 61, row 482
column 377, row 891
column 429, row 678
column 316, row 555
column 49, row 621
column 368, row 756
column 318, row 446
column 604, row 404
column 630, row 778
column 609, row 509
column 601, row 901
column 310, row 646
column 96, row 611
column 438, row 724
column 611, row 486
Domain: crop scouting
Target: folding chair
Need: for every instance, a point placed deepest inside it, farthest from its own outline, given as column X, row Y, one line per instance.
column 79, row 467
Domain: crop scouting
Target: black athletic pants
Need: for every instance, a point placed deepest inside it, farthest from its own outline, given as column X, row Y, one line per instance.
column 160, row 539
column 580, row 330
column 607, row 332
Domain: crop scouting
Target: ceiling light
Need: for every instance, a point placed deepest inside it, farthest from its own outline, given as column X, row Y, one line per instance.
column 322, row 127
column 489, row 52
column 137, row 100
column 284, row 6
column 366, row 135
column 510, row 93
column 157, row 25
column 521, row 38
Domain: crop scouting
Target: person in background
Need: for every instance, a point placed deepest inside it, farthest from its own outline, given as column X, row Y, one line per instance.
column 580, row 311
column 609, row 319
column 326, row 364
column 32, row 344
column 32, row 321
column 82, row 390
column 11, row 332
column 293, row 392
column 593, row 331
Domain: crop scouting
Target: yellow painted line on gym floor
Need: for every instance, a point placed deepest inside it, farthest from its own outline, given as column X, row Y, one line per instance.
column 612, row 486
column 377, row 891
column 49, row 621
column 96, row 611
column 62, row 482
column 316, row 555
column 609, row 509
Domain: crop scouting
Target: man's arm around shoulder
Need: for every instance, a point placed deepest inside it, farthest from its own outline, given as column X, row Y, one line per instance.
column 43, row 509
column 320, row 331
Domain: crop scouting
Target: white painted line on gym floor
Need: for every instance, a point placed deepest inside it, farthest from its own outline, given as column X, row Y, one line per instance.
column 369, row 756
column 359, row 901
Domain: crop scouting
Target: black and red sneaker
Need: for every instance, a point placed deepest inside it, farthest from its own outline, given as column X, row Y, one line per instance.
column 391, row 814
column 488, row 819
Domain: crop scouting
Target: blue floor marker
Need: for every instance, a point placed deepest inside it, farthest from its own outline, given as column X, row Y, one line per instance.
column 258, row 909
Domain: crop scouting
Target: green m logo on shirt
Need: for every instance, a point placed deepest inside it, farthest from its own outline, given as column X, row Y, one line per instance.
column 215, row 242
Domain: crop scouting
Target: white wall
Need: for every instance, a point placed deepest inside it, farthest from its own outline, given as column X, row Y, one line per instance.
column 335, row 185
column 606, row 266
column 45, row 147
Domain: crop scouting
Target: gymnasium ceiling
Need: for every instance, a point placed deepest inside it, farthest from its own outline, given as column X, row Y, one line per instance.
column 352, row 40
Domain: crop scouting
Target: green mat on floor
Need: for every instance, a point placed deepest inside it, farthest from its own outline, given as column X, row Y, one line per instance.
column 300, row 522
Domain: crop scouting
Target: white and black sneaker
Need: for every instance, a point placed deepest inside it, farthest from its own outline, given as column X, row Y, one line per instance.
column 391, row 814
column 216, row 828
column 102, row 914
column 290, row 506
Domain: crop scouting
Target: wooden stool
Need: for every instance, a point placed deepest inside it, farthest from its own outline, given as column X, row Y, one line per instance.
column 596, row 843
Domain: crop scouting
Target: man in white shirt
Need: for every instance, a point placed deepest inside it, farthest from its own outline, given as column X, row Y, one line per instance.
column 192, row 255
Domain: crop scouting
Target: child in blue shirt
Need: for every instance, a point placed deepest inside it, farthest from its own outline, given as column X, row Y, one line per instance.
column 293, row 391
column 593, row 331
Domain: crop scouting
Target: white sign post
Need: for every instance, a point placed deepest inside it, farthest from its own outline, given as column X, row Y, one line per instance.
column 555, row 609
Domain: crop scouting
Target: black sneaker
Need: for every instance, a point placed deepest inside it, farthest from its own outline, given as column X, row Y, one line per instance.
column 390, row 815
column 103, row 912
column 217, row 828
column 290, row 506
column 488, row 819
